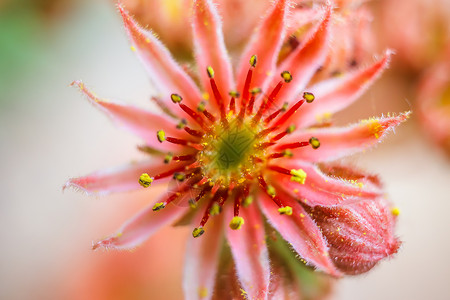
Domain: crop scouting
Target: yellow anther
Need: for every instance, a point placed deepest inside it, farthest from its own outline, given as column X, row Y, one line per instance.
column 255, row 91
column 210, row 71
column 309, row 97
column 286, row 76
column 285, row 210
column 181, row 124
column 285, row 106
column 201, row 106
column 179, row 176
column 202, row 292
column 168, row 158
column 271, row 190
column 247, row 201
column 161, row 136
column 288, row 153
column 298, row 176
column 236, row 223
column 314, row 142
column 133, row 48
column 395, row 211
column 302, row 215
column 234, row 94
column 176, row 98
column 145, row 180
column 291, row 128
column 158, row 206
column 253, row 61
column 198, row 232
column 192, row 203
column 215, row 209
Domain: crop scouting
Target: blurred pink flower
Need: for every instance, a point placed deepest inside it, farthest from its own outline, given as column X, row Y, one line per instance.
column 261, row 152
column 433, row 102
column 425, row 30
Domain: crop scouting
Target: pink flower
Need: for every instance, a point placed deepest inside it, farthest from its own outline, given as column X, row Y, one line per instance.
column 234, row 162
column 433, row 102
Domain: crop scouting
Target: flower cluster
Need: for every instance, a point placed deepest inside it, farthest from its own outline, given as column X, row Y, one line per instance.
column 246, row 153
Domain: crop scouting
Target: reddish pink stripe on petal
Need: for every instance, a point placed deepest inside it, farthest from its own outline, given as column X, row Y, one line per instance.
column 265, row 44
column 338, row 93
column 338, row 142
column 118, row 179
column 300, row 231
column 166, row 74
column 249, row 251
column 320, row 189
column 137, row 121
column 141, row 227
column 202, row 259
column 210, row 49
column 305, row 60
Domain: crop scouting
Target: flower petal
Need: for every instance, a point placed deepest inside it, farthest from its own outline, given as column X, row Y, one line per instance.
column 300, row 231
column 118, row 179
column 202, row 259
column 137, row 121
column 210, row 48
column 320, row 189
column 265, row 44
column 337, row 142
column 338, row 93
column 249, row 250
column 141, row 227
column 166, row 74
column 305, row 60
column 359, row 234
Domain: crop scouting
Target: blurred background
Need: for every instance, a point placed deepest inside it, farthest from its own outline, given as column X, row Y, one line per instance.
column 49, row 133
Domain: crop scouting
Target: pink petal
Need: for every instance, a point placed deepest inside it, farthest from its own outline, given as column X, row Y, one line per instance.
column 210, row 48
column 304, row 61
column 118, row 179
column 300, row 231
column 359, row 234
column 138, row 121
column 320, row 189
column 337, row 142
column 249, row 250
column 265, row 44
column 338, row 93
column 202, row 259
column 166, row 74
column 141, row 227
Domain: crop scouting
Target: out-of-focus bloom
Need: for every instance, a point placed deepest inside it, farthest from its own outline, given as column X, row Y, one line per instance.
column 240, row 19
column 433, row 102
column 425, row 30
column 262, row 151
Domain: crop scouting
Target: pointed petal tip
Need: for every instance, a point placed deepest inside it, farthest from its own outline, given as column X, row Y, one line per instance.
column 76, row 185
column 107, row 243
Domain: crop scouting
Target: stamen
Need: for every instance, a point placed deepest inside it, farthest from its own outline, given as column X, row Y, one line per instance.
column 309, row 97
column 315, row 143
column 145, row 180
column 281, row 135
column 289, row 113
column 197, row 118
column 168, row 173
column 217, row 95
column 293, row 145
column 266, row 188
column 286, row 210
column 181, row 124
column 233, row 95
column 161, row 135
column 250, row 105
column 236, row 223
column 176, row 98
column 237, row 202
column 183, row 157
column 168, row 158
column 158, row 206
column 179, row 176
column 193, row 132
column 198, row 232
column 248, row 80
column 266, row 104
column 285, row 153
column 298, row 176
column 275, row 114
